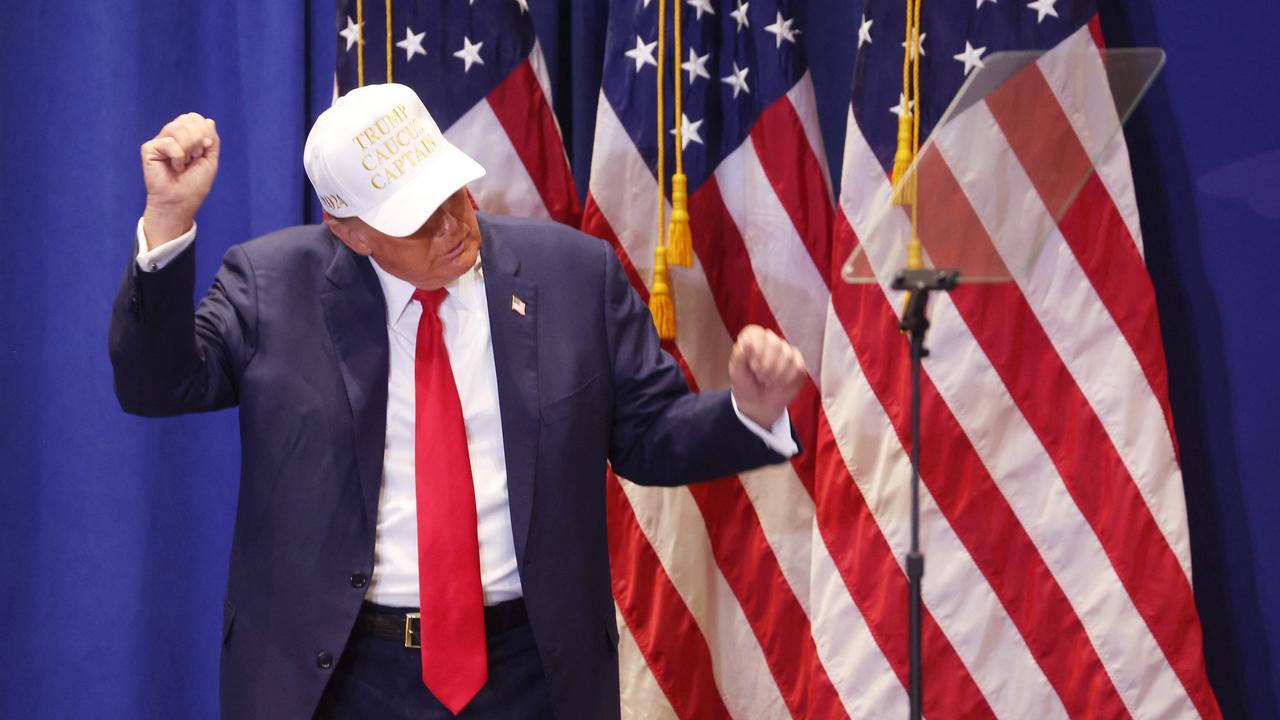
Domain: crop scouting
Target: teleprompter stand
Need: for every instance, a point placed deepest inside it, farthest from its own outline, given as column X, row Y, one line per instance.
column 970, row 210
column 920, row 283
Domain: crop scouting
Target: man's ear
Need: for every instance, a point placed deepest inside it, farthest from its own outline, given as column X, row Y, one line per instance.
column 345, row 231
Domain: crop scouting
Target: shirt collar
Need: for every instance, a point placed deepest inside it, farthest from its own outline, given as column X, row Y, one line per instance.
column 467, row 290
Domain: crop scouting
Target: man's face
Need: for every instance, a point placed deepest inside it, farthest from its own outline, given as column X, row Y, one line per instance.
column 435, row 255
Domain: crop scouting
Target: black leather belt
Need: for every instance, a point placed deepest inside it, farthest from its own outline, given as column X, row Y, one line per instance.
column 404, row 625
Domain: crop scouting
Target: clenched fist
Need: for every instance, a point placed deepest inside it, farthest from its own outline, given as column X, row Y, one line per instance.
column 178, row 166
column 765, row 373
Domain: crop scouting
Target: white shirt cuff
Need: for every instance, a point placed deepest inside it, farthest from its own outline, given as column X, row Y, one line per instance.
column 153, row 260
column 778, row 437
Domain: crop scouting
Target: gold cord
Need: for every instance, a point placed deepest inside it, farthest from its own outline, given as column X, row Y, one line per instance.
column 662, row 56
column 915, row 255
column 679, row 239
column 359, row 43
column 661, row 305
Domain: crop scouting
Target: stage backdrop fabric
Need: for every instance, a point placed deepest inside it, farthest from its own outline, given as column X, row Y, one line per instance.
column 115, row 529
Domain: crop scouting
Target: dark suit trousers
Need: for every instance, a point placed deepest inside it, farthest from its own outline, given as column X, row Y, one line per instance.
column 380, row 679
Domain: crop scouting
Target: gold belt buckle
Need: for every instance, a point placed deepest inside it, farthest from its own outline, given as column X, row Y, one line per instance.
column 412, row 639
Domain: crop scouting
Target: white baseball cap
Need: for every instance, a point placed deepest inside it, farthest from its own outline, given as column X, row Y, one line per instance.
column 377, row 154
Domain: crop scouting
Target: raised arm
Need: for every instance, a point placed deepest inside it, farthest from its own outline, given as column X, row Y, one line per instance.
column 664, row 435
column 166, row 357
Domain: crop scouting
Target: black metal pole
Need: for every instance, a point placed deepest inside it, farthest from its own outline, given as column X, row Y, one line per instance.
column 914, row 321
column 915, row 560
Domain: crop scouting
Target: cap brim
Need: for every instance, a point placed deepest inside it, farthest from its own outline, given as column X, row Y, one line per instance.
column 413, row 203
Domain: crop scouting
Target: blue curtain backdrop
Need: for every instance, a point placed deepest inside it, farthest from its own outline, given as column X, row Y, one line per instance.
column 114, row 531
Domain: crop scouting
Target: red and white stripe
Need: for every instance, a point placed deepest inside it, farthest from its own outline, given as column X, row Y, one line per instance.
column 1058, row 579
column 514, row 134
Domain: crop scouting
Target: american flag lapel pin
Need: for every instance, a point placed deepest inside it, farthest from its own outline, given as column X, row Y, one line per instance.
column 517, row 306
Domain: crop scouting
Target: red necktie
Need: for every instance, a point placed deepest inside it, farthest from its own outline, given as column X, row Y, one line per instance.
column 453, row 641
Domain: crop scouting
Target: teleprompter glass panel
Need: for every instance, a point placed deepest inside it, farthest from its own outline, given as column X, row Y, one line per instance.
column 1005, row 164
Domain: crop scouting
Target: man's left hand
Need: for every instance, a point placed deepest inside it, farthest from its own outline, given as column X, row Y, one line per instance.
column 765, row 373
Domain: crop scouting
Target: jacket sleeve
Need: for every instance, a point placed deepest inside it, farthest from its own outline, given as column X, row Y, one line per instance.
column 662, row 433
column 167, row 359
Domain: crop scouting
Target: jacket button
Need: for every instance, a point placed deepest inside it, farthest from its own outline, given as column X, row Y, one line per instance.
column 359, row 580
column 324, row 660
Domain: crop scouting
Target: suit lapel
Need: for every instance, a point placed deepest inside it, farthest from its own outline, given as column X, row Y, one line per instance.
column 355, row 313
column 515, row 358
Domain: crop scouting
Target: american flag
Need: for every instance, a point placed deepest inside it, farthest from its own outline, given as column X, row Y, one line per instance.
column 1058, row 581
column 730, row 603
column 479, row 69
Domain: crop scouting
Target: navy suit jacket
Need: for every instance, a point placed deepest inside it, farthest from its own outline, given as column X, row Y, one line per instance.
column 293, row 331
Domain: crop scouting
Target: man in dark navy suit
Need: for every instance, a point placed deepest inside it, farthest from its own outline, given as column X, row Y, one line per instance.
column 428, row 399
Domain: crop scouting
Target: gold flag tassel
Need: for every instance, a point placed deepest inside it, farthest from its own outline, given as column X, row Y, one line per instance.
column 903, row 187
column 679, row 238
column 661, row 303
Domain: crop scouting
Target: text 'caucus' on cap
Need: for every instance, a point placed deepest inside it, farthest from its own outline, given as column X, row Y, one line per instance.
column 377, row 154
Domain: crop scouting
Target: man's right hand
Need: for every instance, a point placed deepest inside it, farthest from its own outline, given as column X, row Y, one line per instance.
column 178, row 166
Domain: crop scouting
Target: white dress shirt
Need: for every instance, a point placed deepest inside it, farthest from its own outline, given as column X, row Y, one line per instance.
column 465, row 317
